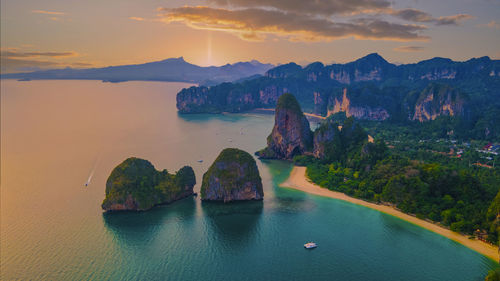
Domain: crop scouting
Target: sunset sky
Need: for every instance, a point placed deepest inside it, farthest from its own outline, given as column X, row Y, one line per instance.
column 60, row 33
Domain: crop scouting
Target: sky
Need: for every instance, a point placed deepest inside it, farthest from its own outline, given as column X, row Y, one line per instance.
column 40, row 34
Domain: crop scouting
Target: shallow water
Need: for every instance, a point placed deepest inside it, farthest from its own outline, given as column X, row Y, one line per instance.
column 54, row 134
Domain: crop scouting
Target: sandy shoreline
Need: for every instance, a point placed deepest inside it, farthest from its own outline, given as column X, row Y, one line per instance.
column 299, row 181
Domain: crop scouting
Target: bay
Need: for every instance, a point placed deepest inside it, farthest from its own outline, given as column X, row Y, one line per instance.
column 56, row 134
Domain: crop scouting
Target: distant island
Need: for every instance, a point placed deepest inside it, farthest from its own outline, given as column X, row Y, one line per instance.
column 135, row 185
column 371, row 89
column 233, row 176
column 171, row 70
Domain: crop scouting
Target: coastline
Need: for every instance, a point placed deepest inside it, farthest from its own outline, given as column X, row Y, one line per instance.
column 298, row 180
column 306, row 114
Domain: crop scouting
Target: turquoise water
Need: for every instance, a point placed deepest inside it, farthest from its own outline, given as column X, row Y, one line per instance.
column 55, row 134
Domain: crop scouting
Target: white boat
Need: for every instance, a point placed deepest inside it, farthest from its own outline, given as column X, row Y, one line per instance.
column 310, row 245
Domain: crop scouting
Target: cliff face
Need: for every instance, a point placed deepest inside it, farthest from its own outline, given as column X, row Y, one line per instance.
column 323, row 136
column 232, row 177
column 376, row 89
column 438, row 100
column 343, row 104
column 135, row 185
column 291, row 133
column 196, row 99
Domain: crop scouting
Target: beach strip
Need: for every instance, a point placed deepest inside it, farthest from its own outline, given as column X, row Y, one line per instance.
column 298, row 180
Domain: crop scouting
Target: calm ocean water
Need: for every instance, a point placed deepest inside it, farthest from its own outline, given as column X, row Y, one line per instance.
column 55, row 135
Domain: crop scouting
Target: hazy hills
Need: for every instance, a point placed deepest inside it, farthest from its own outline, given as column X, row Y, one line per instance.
column 173, row 70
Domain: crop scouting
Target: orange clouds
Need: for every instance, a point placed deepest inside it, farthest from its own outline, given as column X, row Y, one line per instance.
column 14, row 60
column 137, row 18
column 255, row 24
column 318, row 20
column 47, row 12
column 409, row 49
column 14, row 53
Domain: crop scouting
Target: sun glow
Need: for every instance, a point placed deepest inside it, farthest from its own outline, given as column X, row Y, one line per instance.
column 209, row 48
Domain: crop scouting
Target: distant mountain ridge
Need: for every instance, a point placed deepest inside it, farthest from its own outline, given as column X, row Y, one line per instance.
column 173, row 69
column 369, row 88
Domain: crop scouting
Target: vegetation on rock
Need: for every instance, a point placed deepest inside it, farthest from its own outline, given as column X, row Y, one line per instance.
column 291, row 134
column 135, row 184
column 467, row 92
column 233, row 176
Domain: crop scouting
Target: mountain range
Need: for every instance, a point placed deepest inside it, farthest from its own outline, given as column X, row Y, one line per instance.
column 369, row 88
column 172, row 70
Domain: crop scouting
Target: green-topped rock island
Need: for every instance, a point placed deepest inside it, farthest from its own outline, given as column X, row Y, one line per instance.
column 291, row 133
column 135, row 185
column 232, row 177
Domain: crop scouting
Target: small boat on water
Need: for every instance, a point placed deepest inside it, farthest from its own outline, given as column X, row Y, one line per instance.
column 310, row 245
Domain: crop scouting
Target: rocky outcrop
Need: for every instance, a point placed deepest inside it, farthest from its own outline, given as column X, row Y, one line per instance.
column 135, row 185
column 333, row 142
column 438, row 100
column 291, row 134
column 366, row 112
column 323, row 136
column 196, row 99
column 232, row 177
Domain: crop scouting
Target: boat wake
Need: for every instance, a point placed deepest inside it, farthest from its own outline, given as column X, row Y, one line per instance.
column 92, row 172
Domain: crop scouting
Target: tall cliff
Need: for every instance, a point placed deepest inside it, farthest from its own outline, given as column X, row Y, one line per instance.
column 334, row 142
column 359, row 111
column 438, row 100
column 233, row 176
column 324, row 137
column 291, row 134
column 135, row 185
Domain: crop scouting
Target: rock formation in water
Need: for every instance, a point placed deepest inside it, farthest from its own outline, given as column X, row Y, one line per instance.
column 135, row 185
column 291, row 134
column 232, row 177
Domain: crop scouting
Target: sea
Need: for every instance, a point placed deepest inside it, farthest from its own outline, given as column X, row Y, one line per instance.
column 58, row 135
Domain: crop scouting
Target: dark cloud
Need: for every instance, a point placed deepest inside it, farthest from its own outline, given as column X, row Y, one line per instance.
column 335, row 7
column 413, row 15
column 409, row 49
column 255, row 23
column 316, row 7
column 453, row 20
column 13, row 53
column 421, row 16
